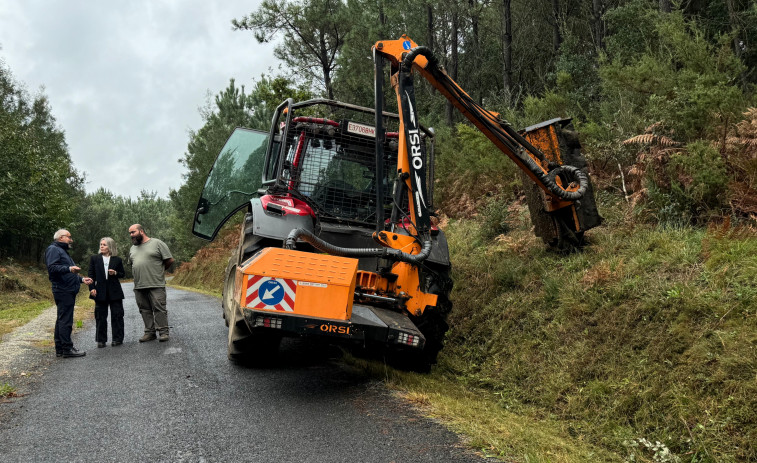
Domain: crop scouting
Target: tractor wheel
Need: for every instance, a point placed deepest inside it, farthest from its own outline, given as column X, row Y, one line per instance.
column 227, row 301
column 433, row 322
column 256, row 347
column 245, row 347
column 239, row 337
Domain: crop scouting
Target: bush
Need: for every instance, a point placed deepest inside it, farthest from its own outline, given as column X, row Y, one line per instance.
column 495, row 218
column 470, row 169
column 691, row 188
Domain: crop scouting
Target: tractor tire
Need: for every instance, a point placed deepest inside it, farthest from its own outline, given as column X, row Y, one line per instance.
column 252, row 348
column 227, row 299
column 432, row 323
column 246, row 347
column 239, row 342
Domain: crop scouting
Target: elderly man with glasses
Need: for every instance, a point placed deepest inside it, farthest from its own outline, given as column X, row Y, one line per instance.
column 66, row 281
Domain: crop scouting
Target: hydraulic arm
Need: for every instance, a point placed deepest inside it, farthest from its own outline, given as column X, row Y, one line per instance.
column 564, row 187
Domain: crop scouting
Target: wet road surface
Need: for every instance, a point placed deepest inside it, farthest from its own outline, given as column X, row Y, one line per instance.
column 182, row 401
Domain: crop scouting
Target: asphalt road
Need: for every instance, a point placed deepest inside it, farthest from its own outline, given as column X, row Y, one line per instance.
column 182, row 401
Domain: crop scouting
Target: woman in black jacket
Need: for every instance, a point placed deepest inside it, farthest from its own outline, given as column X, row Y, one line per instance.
column 105, row 269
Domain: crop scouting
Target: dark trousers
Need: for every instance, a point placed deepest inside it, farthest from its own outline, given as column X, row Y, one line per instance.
column 116, row 321
column 64, row 323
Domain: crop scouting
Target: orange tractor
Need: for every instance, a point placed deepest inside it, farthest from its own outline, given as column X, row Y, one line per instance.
column 340, row 239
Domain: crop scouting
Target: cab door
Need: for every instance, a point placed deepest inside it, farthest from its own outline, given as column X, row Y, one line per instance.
column 233, row 180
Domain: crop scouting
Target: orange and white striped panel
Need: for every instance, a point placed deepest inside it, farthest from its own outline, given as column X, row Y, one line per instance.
column 270, row 293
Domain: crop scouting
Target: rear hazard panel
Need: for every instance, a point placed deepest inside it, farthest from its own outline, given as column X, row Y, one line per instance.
column 298, row 283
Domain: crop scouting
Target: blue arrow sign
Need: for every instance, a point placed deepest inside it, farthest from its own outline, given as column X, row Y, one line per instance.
column 271, row 292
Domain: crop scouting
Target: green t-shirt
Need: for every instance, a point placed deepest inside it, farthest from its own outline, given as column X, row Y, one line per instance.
column 147, row 263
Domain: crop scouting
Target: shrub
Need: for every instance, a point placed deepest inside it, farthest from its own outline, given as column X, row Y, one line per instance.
column 495, row 218
column 684, row 186
column 470, row 169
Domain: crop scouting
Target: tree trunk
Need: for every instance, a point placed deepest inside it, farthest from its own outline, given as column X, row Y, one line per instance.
column 475, row 52
column 430, row 26
column 507, row 43
column 733, row 20
column 455, row 38
column 597, row 8
column 556, row 37
column 325, row 66
column 665, row 6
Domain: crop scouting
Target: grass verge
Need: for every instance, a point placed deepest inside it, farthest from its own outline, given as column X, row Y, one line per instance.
column 26, row 293
column 523, row 435
column 646, row 337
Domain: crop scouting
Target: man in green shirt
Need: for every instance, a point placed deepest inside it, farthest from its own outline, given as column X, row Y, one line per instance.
column 150, row 258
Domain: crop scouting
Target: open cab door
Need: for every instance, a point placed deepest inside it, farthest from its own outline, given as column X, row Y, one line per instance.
column 234, row 179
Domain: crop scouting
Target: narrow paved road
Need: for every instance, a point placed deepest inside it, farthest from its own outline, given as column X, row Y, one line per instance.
column 182, row 401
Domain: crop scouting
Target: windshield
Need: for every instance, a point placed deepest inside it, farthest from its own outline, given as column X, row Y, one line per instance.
column 234, row 179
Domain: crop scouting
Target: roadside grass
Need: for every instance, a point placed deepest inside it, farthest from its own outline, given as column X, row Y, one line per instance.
column 26, row 293
column 6, row 390
column 522, row 435
column 648, row 335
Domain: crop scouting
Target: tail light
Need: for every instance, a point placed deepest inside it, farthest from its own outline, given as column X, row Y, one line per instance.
column 267, row 322
column 408, row 339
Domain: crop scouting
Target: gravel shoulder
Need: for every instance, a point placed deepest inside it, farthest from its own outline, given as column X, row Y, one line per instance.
column 25, row 354
column 24, row 349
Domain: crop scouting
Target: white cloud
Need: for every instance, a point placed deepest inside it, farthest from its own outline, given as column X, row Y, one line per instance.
column 125, row 79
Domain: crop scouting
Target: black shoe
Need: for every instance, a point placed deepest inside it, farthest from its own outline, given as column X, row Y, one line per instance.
column 73, row 353
column 116, row 343
column 58, row 353
column 100, row 344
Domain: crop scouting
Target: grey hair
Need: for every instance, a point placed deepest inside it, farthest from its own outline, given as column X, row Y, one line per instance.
column 59, row 233
column 111, row 245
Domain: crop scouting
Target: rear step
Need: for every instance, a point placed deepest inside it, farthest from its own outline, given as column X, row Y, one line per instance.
column 367, row 324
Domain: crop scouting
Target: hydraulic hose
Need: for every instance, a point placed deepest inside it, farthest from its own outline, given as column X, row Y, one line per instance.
column 548, row 179
column 506, row 135
column 407, row 62
column 387, row 253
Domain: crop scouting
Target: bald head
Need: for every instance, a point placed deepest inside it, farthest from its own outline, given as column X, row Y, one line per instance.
column 137, row 234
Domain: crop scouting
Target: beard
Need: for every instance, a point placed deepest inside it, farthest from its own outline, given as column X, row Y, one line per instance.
column 137, row 240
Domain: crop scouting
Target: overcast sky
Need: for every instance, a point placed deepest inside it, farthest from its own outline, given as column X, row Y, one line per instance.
column 125, row 79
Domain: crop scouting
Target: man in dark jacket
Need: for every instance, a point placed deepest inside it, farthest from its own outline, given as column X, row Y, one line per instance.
column 66, row 281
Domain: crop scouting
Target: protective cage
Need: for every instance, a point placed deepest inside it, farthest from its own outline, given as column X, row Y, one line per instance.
column 331, row 162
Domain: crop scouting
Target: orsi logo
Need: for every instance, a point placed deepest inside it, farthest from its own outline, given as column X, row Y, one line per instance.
column 326, row 328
